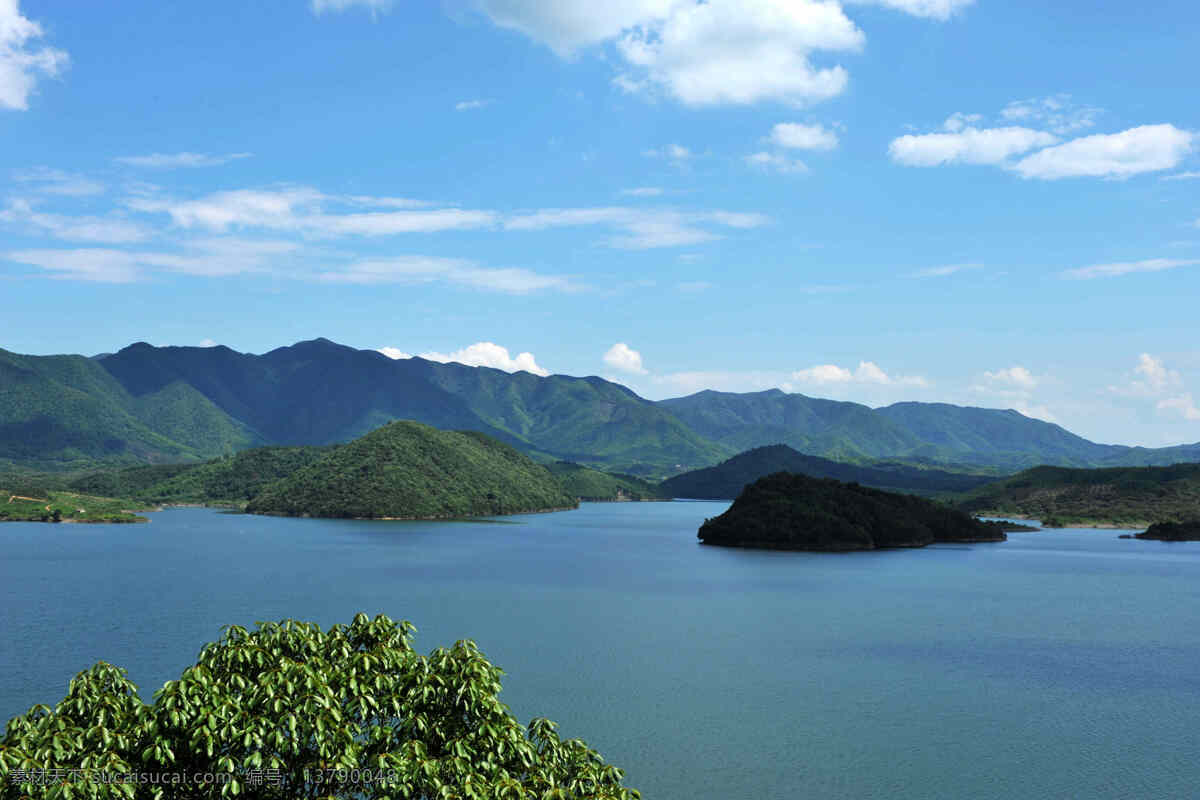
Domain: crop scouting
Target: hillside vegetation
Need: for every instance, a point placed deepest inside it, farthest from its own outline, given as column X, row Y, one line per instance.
column 726, row 480
column 406, row 470
column 786, row 511
column 1127, row 496
column 595, row 485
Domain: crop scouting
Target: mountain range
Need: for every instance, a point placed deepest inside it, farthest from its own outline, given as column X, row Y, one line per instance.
column 147, row 405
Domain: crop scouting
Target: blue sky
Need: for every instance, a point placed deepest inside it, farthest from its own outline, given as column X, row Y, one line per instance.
column 970, row 201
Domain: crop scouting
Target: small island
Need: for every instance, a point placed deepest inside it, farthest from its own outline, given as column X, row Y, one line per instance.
column 406, row 470
column 786, row 511
column 1169, row 532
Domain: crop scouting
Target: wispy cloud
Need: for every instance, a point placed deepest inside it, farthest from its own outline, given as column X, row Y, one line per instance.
column 471, row 105
column 459, row 272
column 643, row 191
column 942, row 272
column 178, row 160
column 100, row 230
column 1128, row 268
column 639, row 228
column 44, row 180
column 22, row 59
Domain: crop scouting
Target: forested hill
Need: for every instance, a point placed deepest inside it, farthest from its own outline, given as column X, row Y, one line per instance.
column 726, row 480
column 406, row 470
column 158, row 405
column 1133, row 496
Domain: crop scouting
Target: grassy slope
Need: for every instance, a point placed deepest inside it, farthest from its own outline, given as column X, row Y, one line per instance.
column 410, row 470
column 64, row 507
column 726, row 480
column 591, row 484
column 1133, row 496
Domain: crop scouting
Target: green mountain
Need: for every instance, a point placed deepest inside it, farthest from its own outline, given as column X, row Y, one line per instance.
column 59, row 412
column 593, row 484
column 786, row 511
column 726, row 480
column 319, row 392
column 407, row 470
column 1127, row 496
column 920, row 433
column 157, row 405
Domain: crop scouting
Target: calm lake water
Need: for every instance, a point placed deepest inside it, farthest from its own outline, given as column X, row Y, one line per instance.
column 1058, row 664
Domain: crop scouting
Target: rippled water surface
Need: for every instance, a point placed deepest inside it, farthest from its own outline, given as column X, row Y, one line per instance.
column 1058, row 664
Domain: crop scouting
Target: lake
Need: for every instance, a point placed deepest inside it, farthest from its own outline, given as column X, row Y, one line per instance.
column 1057, row 664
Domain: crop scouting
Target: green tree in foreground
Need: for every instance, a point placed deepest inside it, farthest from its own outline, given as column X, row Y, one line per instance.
column 291, row 711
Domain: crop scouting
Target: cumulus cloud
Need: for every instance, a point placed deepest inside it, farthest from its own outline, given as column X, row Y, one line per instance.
column 1153, row 380
column 22, row 58
column 803, row 137
column 394, row 353
column 1147, row 148
column 208, row 343
column 622, row 357
column 868, row 372
column 175, row 160
column 743, row 52
column 488, row 354
column 966, row 145
column 1127, row 268
column 1155, row 375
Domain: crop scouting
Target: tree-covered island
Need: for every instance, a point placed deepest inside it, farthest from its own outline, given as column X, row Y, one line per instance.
column 787, row 511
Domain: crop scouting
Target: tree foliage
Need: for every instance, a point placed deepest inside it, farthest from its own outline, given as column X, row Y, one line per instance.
column 293, row 711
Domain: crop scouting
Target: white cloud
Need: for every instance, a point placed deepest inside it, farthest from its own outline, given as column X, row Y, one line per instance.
column 639, row 228
column 428, row 269
column 1182, row 176
column 302, row 209
column 1182, row 404
column 934, row 9
column 1147, row 148
column 44, row 180
column 943, row 271
column 202, row 257
column 1036, row 412
column 803, row 137
column 675, row 153
column 394, row 353
column 174, row 160
column 21, row 59
column 1016, row 376
column 739, row 51
column 1157, row 378
column 1128, row 267
column 621, row 357
column 776, row 162
column 643, row 191
column 100, row 230
column 489, row 354
column 868, row 372
column 1056, row 113
column 567, row 26
column 471, row 105
column 208, row 343
column 374, row 6
column 966, row 145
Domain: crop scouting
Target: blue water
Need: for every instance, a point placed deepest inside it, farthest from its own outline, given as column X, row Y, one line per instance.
column 1058, row 664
